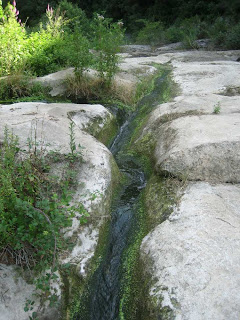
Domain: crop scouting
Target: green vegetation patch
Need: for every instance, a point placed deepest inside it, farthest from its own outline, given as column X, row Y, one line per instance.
column 161, row 89
column 18, row 87
column 35, row 208
column 155, row 205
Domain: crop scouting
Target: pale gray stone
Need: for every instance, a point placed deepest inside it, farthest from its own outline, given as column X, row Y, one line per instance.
column 193, row 258
column 201, row 148
column 50, row 123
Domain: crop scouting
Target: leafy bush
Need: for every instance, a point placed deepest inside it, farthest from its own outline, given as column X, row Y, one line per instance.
column 190, row 29
column 108, row 37
column 218, row 31
column 45, row 45
column 81, row 58
column 63, row 39
column 33, row 206
column 173, row 34
column 34, row 209
column 233, row 37
column 12, row 41
column 186, row 31
column 151, row 33
column 75, row 17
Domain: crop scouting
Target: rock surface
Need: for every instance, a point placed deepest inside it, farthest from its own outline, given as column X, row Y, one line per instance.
column 201, row 148
column 96, row 174
column 194, row 257
column 56, row 81
column 191, row 139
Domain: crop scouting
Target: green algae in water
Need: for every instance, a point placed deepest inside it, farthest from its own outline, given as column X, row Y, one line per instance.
column 131, row 290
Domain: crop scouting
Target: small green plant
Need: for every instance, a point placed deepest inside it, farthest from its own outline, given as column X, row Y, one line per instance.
column 75, row 151
column 108, row 37
column 34, row 208
column 217, row 108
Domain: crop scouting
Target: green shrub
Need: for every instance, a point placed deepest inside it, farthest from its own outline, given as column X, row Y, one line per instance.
column 173, row 34
column 63, row 39
column 108, row 37
column 233, row 37
column 75, row 17
column 81, row 58
column 34, row 209
column 45, row 45
column 218, row 31
column 12, row 41
column 151, row 33
column 190, row 29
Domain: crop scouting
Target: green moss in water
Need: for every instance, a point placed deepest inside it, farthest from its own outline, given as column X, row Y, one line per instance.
column 142, row 146
column 109, row 131
column 131, row 271
column 155, row 205
column 77, row 289
column 78, row 299
column 160, row 196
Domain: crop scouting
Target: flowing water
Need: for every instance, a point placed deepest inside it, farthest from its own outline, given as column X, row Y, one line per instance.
column 105, row 285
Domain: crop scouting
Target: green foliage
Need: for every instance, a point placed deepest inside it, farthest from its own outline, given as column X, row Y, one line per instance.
column 108, row 37
column 151, row 33
column 19, row 86
column 12, row 41
column 173, row 34
column 1, row 10
column 218, row 31
column 45, row 45
column 190, row 29
column 233, row 37
column 217, row 108
column 187, row 31
column 81, row 58
column 36, row 51
column 75, row 17
column 65, row 38
column 34, row 209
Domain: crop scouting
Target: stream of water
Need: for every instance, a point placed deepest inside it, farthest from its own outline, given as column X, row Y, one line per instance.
column 105, row 285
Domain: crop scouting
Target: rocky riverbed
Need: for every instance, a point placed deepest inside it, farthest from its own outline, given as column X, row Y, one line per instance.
column 191, row 260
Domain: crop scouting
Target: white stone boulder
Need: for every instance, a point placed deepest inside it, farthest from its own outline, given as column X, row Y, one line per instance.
column 56, row 81
column 201, row 148
column 96, row 173
column 193, row 258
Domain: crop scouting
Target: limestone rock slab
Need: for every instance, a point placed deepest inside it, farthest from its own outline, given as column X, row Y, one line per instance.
column 96, row 175
column 201, row 148
column 193, row 258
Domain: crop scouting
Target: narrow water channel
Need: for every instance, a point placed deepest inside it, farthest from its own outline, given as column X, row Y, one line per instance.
column 105, row 286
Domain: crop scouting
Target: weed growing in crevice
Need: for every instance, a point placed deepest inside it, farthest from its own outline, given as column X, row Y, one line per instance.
column 217, row 108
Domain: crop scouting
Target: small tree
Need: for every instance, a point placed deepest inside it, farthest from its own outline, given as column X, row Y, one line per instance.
column 108, row 37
